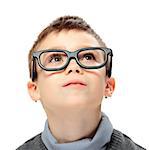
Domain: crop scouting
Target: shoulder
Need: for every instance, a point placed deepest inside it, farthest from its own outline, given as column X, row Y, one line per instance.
column 34, row 143
column 121, row 141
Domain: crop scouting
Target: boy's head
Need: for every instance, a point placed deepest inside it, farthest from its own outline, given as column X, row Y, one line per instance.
column 70, row 34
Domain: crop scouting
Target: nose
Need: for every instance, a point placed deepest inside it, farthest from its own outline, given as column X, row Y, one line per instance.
column 73, row 67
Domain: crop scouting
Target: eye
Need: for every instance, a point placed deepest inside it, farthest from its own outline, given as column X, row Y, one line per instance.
column 89, row 56
column 55, row 58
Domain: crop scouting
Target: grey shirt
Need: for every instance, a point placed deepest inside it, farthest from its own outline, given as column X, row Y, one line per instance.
column 98, row 142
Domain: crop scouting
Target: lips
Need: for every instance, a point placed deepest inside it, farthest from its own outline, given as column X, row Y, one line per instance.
column 73, row 82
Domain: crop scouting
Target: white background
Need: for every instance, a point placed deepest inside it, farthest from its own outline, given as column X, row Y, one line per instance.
column 123, row 25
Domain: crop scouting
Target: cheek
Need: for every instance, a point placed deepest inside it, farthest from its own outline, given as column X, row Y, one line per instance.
column 47, row 82
column 48, row 91
column 97, row 85
column 98, row 88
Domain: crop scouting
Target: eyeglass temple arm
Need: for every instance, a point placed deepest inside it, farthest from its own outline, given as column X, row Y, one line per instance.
column 109, row 65
column 34, row 72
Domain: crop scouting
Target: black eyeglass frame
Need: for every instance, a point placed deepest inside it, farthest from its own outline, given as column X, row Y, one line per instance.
column 71, row 55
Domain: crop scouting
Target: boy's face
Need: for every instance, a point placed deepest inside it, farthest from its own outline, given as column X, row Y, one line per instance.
column 49, row 85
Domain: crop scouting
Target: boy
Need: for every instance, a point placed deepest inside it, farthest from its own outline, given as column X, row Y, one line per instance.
column 70, row 70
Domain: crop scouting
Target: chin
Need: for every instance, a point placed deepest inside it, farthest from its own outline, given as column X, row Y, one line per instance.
column 77, row 101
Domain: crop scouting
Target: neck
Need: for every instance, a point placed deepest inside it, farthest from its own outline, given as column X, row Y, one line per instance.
column 72, row 125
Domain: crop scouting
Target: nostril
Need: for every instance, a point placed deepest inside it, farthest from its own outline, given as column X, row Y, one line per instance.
column 77, row 71
column 69, row 71
column 72, row 71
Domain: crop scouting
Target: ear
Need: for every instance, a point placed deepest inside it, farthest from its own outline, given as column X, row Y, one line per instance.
column 109, row 87
column 33, row 90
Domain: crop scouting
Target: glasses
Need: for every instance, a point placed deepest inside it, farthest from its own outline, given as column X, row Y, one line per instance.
column 57, row 59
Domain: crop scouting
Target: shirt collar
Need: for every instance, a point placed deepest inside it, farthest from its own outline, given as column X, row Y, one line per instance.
column 98, row 142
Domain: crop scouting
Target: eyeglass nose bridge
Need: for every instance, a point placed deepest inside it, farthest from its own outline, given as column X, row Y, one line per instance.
column 72, row 55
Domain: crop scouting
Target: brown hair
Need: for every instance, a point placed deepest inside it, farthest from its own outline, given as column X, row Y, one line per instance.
column 63, row 23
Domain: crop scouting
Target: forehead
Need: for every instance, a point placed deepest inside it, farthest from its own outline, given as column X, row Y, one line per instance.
column 69, row 40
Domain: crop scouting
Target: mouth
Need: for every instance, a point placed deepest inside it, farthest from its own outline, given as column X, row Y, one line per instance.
column 75, row 84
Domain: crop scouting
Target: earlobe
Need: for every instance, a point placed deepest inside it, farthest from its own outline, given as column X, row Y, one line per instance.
column 110, row 86
column 33, row 90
